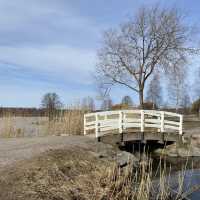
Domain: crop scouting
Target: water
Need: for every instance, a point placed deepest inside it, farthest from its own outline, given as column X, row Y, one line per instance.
column 189, row 170
column 192, row 178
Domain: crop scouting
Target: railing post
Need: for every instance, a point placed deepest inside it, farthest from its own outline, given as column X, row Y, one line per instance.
column 124, row 120
column 120, row 121
column 142, row 120
column 96, row 126
column 181, row 125
column 84, row 131
column 162, row 125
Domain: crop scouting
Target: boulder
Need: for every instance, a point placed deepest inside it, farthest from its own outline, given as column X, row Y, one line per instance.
column 124, row 158
column 195, row 139
column 179, row 151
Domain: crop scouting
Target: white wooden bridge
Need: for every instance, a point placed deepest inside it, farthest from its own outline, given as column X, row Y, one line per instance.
column 131, row 125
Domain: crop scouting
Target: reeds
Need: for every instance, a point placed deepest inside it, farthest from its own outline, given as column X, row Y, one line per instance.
column 65, row 122
column 8, row 127
column 114, row 183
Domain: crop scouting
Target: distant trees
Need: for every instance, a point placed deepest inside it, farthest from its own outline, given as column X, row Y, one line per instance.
column 156, row 40
column 154, row 93
column 149, row 105
column 176, row 89
column 186, row 102
column 51, row 103
column 88, row 104
column 126, row 100
column 197, row 83
column 196, row 107
column 107, row 103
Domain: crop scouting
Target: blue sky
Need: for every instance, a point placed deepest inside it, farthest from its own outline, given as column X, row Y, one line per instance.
column 51, row 45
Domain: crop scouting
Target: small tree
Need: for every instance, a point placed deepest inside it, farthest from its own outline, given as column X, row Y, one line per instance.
column 197, row 83
column 88, row 104
column 197, row 90
column 186, row 102
column 154, row 40
column 51, row 103
column 126, row 100
column 107, row 103
column 196, row 107
column 154, row 93
column 176, row 89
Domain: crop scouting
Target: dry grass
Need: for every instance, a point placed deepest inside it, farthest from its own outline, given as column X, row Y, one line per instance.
column 69, row 122
column 8, row 128
column 77, row 174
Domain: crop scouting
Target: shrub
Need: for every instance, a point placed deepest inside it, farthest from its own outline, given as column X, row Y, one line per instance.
column 196, row 106
column 149, row 105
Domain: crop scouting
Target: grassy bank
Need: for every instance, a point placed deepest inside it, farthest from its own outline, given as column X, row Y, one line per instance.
column 81, row 174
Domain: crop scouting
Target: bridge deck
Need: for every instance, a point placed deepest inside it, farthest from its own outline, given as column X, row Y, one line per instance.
column 134, row 125
column 137, row 136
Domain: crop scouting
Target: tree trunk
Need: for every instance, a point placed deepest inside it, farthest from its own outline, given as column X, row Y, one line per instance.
column 141, row 95
column 199, row 111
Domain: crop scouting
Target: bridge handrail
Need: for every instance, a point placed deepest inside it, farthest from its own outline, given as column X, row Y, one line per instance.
column 159, row 120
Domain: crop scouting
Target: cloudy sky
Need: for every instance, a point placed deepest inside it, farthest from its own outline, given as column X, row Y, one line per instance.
column 51, row 45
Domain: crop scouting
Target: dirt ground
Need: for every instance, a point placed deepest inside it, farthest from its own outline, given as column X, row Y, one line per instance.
column 16, row 149
column 191, row 125
column 53, row 168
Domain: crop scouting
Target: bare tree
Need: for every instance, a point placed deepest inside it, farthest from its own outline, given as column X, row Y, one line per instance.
column 127, row 101
column 197, row 83
column 88, row 104
column 107, row 103
column 154, row 93
column 176, row 89
column 155, row 39
column 197, row 91
column 51, row 102
column 186, row 102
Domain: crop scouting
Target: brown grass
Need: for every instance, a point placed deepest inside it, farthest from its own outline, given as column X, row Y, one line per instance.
column 69, row 122
column 8, row 128
column 77, row 174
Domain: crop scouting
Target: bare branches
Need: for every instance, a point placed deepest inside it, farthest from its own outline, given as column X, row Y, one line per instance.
column 155, row 40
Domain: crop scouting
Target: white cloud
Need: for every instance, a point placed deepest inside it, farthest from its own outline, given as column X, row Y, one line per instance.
column 49, row 58
column 47, row 37
column 54, row 61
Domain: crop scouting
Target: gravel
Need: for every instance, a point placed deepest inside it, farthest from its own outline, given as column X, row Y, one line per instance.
column 18, row 149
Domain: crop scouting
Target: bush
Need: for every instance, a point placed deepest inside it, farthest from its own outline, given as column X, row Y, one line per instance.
column 120, row 106
column 149, row 105
column 196, row 106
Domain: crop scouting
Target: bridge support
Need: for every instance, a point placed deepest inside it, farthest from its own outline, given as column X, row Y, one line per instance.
column 143, row 141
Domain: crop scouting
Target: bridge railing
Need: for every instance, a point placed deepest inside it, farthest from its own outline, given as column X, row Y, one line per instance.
column 139, row 120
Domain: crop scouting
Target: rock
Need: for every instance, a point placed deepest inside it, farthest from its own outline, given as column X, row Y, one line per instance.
column 170, row 151
column 124, row 158
column 112, row 153
column 195, row 139
column 195, row 151
column 179, row 151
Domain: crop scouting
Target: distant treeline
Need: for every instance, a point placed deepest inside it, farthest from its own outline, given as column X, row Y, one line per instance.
column 22, row 112
column 34, row 112
column 42, row 112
